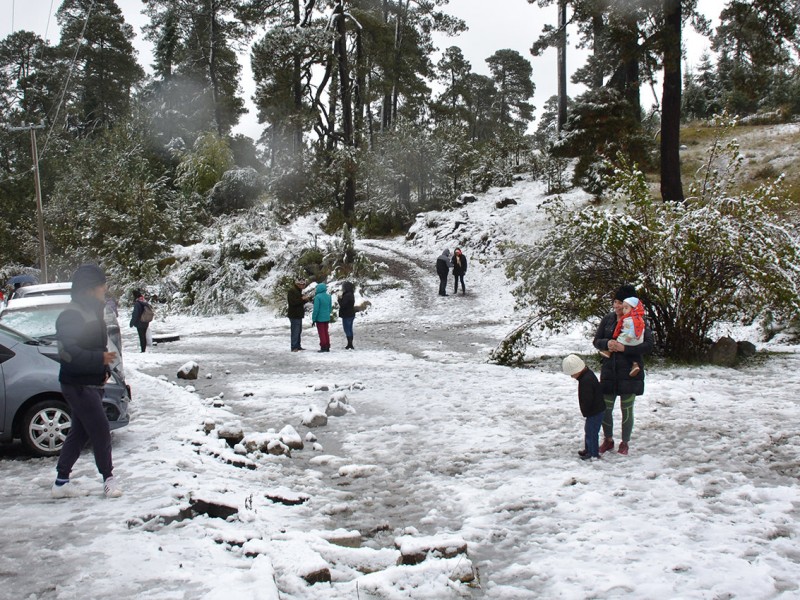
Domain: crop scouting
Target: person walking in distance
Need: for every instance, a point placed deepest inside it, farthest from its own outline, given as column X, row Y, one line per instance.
column 141, row 317
column 459, row 270
column 85, row 367
column 296, row 302
column 442, row 269
column 617, row 374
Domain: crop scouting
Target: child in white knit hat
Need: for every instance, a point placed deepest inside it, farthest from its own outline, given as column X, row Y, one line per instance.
column 590, row 399
column 630, row 329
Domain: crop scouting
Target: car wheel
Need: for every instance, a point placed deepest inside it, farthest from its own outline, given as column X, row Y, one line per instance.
column 45, row 427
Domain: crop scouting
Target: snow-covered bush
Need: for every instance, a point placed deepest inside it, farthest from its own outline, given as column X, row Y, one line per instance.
column 715, row 258
column 203, row 166
column 238, row 189
column 600, row 126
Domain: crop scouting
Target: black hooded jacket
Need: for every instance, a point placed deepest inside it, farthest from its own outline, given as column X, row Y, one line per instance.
column 82, row 340
column 347, row 303
column 615, row 376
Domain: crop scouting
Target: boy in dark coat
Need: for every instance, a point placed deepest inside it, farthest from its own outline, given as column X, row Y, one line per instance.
column 590, row 399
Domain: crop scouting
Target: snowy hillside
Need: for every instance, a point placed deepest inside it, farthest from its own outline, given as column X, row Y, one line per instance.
column 444, row 477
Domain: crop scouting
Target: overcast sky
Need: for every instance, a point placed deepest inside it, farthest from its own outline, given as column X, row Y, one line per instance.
column 493, row 25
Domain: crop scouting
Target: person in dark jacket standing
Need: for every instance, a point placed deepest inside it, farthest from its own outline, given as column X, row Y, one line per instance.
column 459, row 270
column 590, row 400
column 442, row 269
column 139, row 304
column 296, row 302
column 347, row 311
column 615, row 373
column 85, row 361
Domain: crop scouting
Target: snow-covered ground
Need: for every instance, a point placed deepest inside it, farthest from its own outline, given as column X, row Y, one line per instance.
column 440, row 450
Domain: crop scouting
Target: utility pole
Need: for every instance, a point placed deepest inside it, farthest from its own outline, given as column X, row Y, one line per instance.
column 37, row 185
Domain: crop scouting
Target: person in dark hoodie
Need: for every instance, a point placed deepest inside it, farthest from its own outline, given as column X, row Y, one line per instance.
column 442, row 269
column 296, row 310
column 617, row 376
column 347, row 311
column 85, row 363
column 590, row 400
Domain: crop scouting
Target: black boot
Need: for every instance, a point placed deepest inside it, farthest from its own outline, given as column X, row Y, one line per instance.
column 349, row 343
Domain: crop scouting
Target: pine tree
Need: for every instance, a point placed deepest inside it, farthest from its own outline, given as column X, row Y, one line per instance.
column 105, row 70
column 196, row 64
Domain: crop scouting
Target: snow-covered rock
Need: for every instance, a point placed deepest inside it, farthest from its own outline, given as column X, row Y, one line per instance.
column 189, row 370
column 314, row 417
column 291, row 438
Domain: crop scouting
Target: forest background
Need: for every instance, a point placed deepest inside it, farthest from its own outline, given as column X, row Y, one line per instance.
column 368, row 116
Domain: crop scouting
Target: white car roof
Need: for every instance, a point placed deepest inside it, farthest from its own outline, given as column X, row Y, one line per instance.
column 45, row 287
column 50, row 300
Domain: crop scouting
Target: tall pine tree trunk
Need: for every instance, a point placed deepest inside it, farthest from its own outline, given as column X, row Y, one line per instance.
column 297, row 90
column 345, row 98
column 212, row 65
column 562, row 64
column 671, row 187
column 598, row 32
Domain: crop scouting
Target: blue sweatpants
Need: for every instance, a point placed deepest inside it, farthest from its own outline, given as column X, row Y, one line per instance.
column 89, row 423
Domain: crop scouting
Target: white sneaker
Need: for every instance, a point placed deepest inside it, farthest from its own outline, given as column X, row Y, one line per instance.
column 68, row 490
column 111, row 489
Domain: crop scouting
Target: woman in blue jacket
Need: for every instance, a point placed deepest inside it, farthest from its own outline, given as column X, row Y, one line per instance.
column 321, row 316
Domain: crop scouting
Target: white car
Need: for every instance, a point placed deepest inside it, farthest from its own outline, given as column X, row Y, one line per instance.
column 36, row 317
column 41, row 289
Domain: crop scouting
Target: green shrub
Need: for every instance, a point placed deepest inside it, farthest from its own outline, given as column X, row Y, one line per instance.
column 715, row 258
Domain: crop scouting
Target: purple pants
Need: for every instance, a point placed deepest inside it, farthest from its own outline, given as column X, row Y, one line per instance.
column 89, row 423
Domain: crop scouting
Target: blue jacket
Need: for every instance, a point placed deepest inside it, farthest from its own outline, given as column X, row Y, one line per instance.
column 82, row 340
column 322, row 305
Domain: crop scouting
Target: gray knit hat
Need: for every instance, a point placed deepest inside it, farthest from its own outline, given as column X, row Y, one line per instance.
column 87, row 277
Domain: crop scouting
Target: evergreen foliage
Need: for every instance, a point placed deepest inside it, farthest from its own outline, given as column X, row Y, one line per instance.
column 716, row 258
column 111, row 207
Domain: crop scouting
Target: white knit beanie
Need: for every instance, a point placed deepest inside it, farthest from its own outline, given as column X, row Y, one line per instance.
column 633, row 301
column 572, row 364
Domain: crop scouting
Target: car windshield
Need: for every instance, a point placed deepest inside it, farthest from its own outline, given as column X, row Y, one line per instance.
column 13, row 333
column 37, row 322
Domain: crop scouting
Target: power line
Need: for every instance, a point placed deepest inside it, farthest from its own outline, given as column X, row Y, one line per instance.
column 69, row 77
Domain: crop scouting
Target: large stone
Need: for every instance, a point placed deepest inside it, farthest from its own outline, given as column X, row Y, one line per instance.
column 505, row 202
column 414, row 550
column 338, row 405
column 189, row 370
column 746, row 349
column 314, row 417
column 723, row 352
column 290, row 437
column 232, row 434
column 466, row 199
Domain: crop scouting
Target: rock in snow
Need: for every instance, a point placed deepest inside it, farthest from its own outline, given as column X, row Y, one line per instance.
column 189, row 370
column 314, row 417
column 291, row 438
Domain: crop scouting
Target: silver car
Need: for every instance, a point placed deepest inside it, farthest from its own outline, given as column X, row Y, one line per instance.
column 32, row 407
